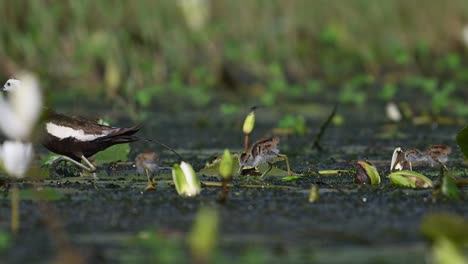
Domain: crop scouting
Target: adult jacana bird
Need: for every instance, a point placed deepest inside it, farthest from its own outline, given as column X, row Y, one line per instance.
column 76, row 138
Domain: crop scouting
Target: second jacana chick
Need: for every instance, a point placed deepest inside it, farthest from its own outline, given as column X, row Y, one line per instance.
column 147, row 163
column 263, row 151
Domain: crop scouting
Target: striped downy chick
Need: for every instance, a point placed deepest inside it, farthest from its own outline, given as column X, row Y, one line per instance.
column 147, row 163
column 399, row 161
column 438, row 153
column 263, row 151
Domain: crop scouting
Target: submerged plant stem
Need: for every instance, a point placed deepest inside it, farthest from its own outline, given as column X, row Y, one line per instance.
column 15, row 224
column 323, row 127
column 246, row 143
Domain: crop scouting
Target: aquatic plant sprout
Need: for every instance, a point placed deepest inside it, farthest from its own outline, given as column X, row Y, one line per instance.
column 22, row 109
column 16, row 157
column 226, row 165
column 186, row 180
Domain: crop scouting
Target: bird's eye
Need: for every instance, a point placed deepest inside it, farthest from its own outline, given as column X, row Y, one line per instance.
column 8, row 84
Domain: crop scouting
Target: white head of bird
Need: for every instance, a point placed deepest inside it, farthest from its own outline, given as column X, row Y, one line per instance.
column 11, row 85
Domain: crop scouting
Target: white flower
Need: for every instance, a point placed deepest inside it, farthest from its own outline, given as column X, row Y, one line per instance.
column 186, row 180
column 20, row 113
column 16, row 157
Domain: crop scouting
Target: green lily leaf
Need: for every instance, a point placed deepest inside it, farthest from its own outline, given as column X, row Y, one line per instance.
column 366, row 173
column 114, row 153
column 462, row 141
column 410, row 179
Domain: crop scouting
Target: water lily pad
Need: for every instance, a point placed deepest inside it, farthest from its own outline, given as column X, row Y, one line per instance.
column 114, row 153
column 410, row 179
column 212, row 169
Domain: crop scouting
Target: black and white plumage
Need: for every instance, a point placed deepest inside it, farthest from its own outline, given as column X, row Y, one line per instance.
column 74, row 136
column 77, row 138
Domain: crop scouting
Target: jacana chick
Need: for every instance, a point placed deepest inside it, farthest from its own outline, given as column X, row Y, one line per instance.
column 263, row 151
column 147, row 163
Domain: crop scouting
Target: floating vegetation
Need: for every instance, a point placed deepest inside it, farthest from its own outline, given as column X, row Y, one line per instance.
column 410, row 179
column 366, row 173
column 314, row 193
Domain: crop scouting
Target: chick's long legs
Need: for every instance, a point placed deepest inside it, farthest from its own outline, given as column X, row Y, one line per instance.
column 150, row 185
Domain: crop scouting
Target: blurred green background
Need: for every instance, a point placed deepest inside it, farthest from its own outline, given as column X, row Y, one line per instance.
column 207, row 52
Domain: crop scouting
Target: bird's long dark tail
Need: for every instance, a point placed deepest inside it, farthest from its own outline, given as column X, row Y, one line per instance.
column 162, row 144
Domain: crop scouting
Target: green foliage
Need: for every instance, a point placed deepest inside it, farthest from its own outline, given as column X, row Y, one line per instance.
column 388, row 91
column 5, row 241
column 450, row 226
column 114, row 153
column 410, row 179
column 47, row 194
column 157, row 248
column 449, row 234
column 158, row 51
column 204, row 235
column 371, row 172
column 296, row 123
column 462, row 141
column 449, row 187
column 290, row 178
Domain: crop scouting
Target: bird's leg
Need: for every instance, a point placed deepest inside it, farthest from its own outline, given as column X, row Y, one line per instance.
column 150, row 185
column 270, row 166
column 65, row 158
column 90, row 167
column 285, row 158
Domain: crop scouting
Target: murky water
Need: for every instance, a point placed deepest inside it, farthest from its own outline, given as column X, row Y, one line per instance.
column 348, row 224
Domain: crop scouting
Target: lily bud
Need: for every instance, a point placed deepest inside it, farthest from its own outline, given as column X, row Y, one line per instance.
column 186, row 180
column 249, row 123
column 226, row 165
